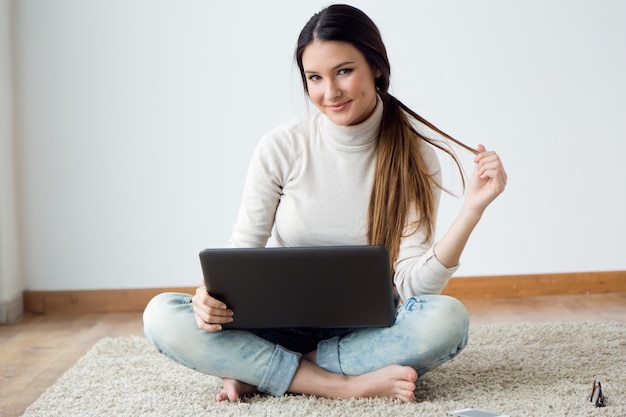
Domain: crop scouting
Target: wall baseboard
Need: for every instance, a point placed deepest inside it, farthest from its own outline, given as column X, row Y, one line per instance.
column 508, row 286
column 93, row 301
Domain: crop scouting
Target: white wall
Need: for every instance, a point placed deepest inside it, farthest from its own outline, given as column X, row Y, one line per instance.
column 11, row 280
column 137, row 120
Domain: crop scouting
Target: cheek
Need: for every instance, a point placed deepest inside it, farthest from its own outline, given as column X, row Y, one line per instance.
column 362, row 86
column 316, row 94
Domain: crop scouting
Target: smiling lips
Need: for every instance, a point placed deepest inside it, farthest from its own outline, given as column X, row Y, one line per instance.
column 338, row 107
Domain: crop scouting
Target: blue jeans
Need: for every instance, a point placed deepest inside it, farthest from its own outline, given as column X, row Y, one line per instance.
column 428, row 331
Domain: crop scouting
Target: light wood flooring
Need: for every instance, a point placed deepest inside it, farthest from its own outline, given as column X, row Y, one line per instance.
column 40, row 348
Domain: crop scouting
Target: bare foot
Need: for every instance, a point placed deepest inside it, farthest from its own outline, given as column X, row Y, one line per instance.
column 393, row 381
column 233, row 389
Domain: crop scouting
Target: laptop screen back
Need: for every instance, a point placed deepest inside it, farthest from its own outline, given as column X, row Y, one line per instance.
column 319, row 287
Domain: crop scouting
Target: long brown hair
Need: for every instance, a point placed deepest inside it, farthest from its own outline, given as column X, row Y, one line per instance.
column 402, row 182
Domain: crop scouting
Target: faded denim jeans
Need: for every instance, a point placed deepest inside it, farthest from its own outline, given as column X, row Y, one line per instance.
column 428, row 331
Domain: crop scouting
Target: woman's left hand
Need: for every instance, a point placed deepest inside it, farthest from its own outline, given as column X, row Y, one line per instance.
column 487, row 182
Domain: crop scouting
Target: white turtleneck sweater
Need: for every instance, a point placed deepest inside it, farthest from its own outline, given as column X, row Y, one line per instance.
column 309, row 184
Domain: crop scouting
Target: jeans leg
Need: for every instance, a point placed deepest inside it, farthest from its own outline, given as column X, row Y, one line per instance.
column 428, row 331
column 170, row 326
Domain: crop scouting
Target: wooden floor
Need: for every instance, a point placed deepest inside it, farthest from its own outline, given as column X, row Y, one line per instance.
column 40, row 348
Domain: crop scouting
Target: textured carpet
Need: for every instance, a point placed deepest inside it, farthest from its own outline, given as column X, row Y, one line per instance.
column 521, row 370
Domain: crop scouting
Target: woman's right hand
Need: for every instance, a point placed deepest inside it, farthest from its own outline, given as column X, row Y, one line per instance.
column 209, row 312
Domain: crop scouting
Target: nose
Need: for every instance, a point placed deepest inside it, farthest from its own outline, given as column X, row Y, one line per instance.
column 332, row 90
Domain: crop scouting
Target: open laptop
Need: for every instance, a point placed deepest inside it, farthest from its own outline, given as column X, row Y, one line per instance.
column 313, row 287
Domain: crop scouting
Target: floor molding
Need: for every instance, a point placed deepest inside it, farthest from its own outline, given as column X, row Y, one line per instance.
column 134, row 300
column 507, row 286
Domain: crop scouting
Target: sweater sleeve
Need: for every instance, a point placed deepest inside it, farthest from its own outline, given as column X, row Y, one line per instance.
column 267, row 174
column 417, row 269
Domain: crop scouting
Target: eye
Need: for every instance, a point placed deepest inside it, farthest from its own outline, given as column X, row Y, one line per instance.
column 344, row 71
column 314, row 77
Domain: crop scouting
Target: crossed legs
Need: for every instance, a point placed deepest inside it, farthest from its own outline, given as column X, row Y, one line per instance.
column 383, row 362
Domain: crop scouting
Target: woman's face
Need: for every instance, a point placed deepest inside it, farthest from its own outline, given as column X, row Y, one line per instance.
column 340, row 81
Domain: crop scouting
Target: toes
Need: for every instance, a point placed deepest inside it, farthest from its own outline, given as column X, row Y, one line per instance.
column 410, row 397
column 405, row 386
column 406, row 396
column 228, row 392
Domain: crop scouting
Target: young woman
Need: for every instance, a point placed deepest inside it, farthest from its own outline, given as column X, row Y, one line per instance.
column 356, row 172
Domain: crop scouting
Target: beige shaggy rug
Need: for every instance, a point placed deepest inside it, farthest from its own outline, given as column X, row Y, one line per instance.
column 520, row 370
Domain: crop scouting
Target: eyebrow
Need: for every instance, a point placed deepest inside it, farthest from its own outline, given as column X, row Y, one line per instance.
column 333, row 68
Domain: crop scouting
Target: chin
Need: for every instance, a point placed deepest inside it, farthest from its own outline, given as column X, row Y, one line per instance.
column 341, row 120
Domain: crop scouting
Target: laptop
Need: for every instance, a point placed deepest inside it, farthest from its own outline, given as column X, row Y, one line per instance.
column 309, row 287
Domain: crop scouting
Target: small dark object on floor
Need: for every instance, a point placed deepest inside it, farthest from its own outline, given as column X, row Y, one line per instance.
column 596, row 395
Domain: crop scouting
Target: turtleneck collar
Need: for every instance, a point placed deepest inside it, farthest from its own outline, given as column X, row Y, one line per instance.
column 354, row 137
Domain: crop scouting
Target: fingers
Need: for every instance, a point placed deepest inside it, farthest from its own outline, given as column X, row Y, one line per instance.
column 209, row 312
column 489, row 166
column 202, row 325
column 488, row 180
column 204, row 297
